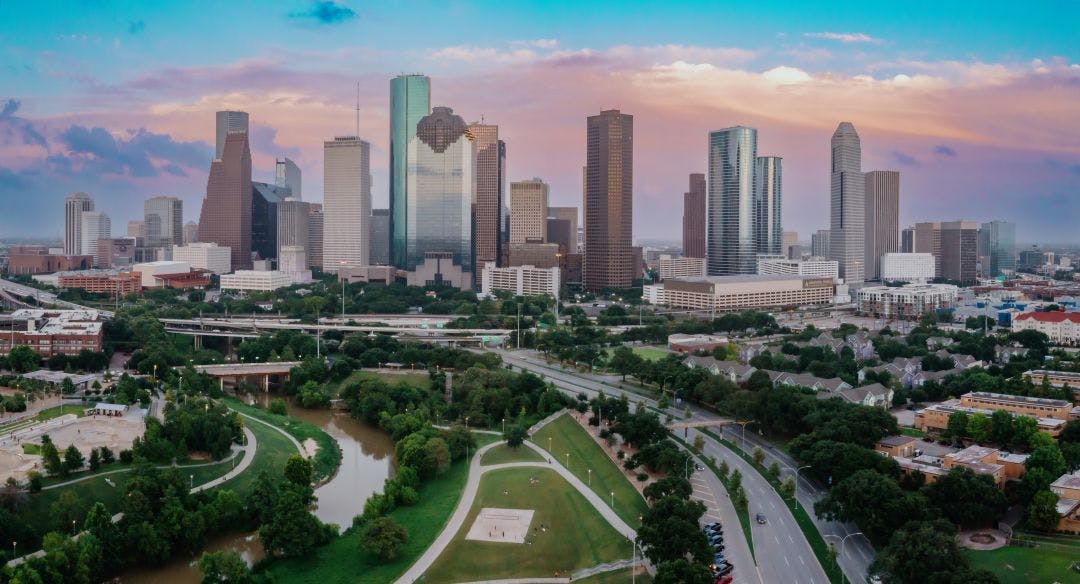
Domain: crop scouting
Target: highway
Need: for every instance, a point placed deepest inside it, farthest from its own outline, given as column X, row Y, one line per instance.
column 782, row 552
column 45, row 297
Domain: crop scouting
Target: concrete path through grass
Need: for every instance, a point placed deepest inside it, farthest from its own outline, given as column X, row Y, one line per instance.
column 468, row 495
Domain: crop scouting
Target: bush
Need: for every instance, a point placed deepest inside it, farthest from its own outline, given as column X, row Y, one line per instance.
column 620, row 455
column 642, row 477
column 277, row 406
column 126, row 456
column 34, row 481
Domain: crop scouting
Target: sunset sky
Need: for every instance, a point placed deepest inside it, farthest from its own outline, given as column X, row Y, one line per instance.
column 977, row 104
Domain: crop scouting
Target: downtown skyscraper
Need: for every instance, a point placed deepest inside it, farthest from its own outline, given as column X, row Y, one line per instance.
column 490, row 187
column 609, row 201
column 997, row 248
column 410, row 100
column 693, row 219
column 768, row 196
column 346, row 203
column 848, row 204
column 75, row 205
column 882, row 225
column 225, row 217
column 163, row 222
column 731, row 240
column 228, row 122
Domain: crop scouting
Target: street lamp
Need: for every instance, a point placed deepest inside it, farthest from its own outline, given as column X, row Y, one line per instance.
column 504, row 425
column 466, row 442
column 590, row 477
column 612, row 500
column 797, row 483
column 567, row 461
column 843, row 543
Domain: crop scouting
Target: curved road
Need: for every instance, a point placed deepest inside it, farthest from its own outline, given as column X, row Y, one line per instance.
column 476, row 472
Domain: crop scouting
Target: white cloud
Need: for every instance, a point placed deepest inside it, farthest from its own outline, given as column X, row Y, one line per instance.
column 472, row 54
column 844, row 37
column 784, row 75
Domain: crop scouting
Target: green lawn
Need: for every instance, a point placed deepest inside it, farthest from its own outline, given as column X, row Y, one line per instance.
column 502, row 454
column 651, row 353
column 272, row 452
column 31, row 448
column 913, row 433
column 577, row 536
column 327, row 457
column 419, row 378
column 617, row 577
column 568, row 436
column 342, row 561
column 1022, row 565
column 43, row 415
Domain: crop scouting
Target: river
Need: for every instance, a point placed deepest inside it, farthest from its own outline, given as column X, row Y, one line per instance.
column 366, row 461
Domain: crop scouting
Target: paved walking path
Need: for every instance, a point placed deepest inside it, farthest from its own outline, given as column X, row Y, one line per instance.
column 299, row 447
column 476, row 472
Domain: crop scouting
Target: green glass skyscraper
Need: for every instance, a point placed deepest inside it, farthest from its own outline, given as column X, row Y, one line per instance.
column 410, row 100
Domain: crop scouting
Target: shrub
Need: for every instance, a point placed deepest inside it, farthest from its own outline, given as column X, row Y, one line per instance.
column 642, row 477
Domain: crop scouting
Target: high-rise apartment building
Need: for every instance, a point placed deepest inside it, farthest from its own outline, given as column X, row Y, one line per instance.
column 225, row 217
column 609, row 200
column 882, row 224
column 75, row 205
column 346, row 202
column 693, row 217
column 229, row 122
column 907, row 239
column 441, row 186
column 959, row 251
column 730, row 240
column 287, row 175
column 292, row 224
column 163, row 222
column 768, row 197
column 191, row 232
column 315, row 236
column 997, row 248
column 410, row 100
column 847, row 205
column 528, row 211
column 94, row 226
column 379, row 245
column 487, row 205
column 927, row 239
column 819, row 243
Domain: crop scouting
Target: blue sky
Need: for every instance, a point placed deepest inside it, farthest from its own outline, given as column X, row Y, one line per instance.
column 996, row 84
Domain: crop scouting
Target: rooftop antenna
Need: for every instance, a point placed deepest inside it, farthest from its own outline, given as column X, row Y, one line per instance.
column 357, row 109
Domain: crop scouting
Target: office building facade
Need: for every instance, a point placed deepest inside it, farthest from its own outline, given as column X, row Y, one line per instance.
column 265, row 199
column 907, row 240
column 907, row 267
column 819, row 243
column 225, row 217
column 882, row 224
column 609, row 200
column 768, row 198
column 287, row 175
column 441, row 186
column 229, row 122
column 997, row 248
column 315, row 237
column 204, row 256
column 488, row 202
column 163, row 222
column 410, row 100
column 292, row 223
column 528, row 211
column 731, row 231
column 346, row 202
column 75, row 205
column 94, row 226
column 379, row 245
column 693, row 219
column 847, row 204
column 959, row 251
column 520, row 280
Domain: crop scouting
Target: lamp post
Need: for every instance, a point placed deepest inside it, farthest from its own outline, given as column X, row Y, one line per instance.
column 466, row 442
column 567, row 461
column 504, row 425
column 686, row 468
column 590, row 477
column 843, row 543
column 612, row 500
column 797, row 483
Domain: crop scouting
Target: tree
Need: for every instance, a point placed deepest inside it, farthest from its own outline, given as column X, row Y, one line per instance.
column 384, row 538
column 289, row 530
column 873, row 501
column 277, row 406
column 758, row 455
column 978, row 427
column 95, row 460
column 73, row 459
column 957, row 425
column 966, row 498
column 788, row 486
column 1002, row 427
column 515, row 435
column 51, row 456
column 624, row 361
column 1042, row 512
column 923, row 551
column 674, row 486
column 437, row 456
column 298, row 470
column 759, row 381
column 23, row 359
column 224, row 567
column 699, row 442
column 669, row 531
column 681, row 571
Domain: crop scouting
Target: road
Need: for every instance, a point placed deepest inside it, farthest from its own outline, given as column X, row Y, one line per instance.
column 768, row 539
column 857, row 552
column 44, row 297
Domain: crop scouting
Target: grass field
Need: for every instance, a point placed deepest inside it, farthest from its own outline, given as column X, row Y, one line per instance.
column 568, row 436
column 1022, row 565
column 651, row 353
column 43, row 415
column 502, row 454
column 327, row 458
column 617, row 577
column 577, row 536
column 341, row 559
column 913, row 433
column 418, row 378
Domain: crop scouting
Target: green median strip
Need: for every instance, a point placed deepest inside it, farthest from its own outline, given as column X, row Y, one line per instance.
column 810, row 531
column 742, row 512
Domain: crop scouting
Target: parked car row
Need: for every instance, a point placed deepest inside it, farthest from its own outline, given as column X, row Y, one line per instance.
column 722, row 569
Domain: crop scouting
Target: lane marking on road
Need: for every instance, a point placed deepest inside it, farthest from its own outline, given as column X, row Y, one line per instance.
column 801, row 560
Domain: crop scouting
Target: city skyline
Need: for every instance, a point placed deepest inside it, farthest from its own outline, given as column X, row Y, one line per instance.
column 942, row 110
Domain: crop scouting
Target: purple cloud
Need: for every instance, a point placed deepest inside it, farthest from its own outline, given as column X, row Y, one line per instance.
column 944, row 150
column 905, row 159
column 96, row 148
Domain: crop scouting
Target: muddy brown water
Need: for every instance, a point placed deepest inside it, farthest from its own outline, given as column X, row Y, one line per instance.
column 366, row 461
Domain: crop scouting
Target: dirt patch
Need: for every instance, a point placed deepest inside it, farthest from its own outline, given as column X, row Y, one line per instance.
column 501, row 525
column 310, row 447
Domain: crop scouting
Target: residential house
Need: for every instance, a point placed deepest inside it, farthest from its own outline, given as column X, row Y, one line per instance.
column 873, row 395
column 938, row 342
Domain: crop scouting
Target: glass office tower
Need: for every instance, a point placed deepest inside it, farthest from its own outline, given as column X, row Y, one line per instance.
column 997, row 248
column 441, row 184
column 768, row 198
column 410, row 100
column 730, row 237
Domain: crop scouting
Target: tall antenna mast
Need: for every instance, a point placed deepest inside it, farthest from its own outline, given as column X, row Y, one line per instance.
column 357, row 109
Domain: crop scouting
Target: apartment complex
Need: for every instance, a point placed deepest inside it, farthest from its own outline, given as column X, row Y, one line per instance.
column 680, row 267
column 907, row 267
column 1050, row 414
column 1063, row 328
column 907, row 302
column 520, row 280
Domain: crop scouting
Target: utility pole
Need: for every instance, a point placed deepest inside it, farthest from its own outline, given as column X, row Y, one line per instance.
column 519, row 326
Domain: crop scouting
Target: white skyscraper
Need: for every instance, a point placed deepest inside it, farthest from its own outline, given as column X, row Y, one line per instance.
column 94, row 225
column 74, row 206
column 229, row 121
column 346, row 202
column 847, row 213
column 287, row 174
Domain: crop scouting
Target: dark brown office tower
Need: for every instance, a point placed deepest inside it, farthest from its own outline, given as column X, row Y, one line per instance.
column 693, row 218
column 558, row 231
column 609, row 201
column 959, row 251
column 487, row 205
column 226, row 211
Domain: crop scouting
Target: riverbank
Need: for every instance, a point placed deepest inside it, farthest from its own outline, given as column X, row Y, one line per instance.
column 327, row 456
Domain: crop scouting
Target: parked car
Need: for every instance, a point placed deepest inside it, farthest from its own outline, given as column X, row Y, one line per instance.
column 760, row 518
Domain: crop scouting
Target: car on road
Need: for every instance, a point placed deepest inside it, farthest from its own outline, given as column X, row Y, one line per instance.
column 698, row 466
column 760, row 518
